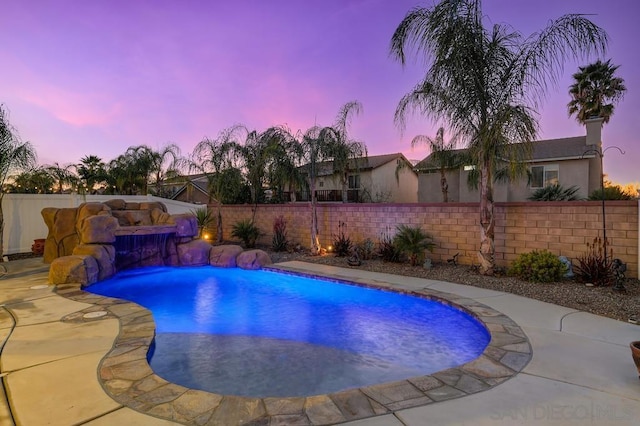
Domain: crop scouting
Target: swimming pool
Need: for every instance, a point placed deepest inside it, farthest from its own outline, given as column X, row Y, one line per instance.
column 262, row 333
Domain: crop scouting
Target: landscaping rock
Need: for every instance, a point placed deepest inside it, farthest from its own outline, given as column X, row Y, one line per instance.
column 105, row 256
column 224, row 256
column 186, row 225
column 62, row 237
column 158, row 217
column 98, row 230
column 253, row 259
column 133, row 217
column 150, row 205
column 81, row 269
column 194, row 253
column 116, row 204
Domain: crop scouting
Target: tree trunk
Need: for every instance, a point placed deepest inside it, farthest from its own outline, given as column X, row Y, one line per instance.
column 345, row 197
column 219, row 224
column 486, row 255
column 444, row 186
column 315, row 240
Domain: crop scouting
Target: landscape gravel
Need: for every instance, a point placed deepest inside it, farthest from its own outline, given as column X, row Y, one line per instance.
column 605, row 301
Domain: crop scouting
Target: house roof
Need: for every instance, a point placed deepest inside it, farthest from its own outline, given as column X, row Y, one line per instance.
column 572, row 148
column 325, row 168
column 197, row 183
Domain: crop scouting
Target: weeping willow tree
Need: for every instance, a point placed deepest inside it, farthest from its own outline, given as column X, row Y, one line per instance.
column 14, row 155
column 485, row 82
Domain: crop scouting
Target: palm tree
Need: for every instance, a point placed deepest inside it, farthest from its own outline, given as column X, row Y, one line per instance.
column 481, row 82
column 213, row 157
column 343, row 149
column 14, row 155
column 595, row 91
column 36, row 180
column 315, row 144
column 443, row 156
column 282, row 168
column 258, row 152
column 62, row 175
column 166, row 162
column 91, row 171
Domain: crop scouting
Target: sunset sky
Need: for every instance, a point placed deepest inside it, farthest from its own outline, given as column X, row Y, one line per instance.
column 95, row 77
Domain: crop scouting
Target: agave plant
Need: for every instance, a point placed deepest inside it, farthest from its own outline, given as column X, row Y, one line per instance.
column 555, row 193
column 413, row 241
column 205, row 220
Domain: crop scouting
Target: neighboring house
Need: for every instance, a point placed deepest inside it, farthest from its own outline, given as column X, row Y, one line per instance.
column 569, row 162
column 377, row 178
column 190, row 189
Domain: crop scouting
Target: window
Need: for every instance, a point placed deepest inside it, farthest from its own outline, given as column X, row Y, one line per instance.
column 469, row 168
column 542, row 176
column 321, row 184
column 354, row 182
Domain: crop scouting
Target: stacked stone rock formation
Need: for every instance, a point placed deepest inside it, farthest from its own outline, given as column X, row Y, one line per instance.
column 82, row 244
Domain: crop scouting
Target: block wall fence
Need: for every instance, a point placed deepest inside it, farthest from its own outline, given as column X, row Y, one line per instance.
column 564, row 228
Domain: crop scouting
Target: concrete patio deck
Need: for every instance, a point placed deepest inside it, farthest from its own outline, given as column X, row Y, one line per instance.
column 581, row 371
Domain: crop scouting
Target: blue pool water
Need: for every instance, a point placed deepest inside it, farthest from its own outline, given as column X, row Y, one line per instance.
column 262, row 333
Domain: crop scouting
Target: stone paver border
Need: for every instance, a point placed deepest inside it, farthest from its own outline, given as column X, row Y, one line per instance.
column 127, row 377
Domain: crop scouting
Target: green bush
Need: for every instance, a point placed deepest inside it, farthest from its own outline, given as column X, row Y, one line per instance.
column 413, row 241
column 541, row 266
column 247, row 231
column 610, row 193
column 555, row 193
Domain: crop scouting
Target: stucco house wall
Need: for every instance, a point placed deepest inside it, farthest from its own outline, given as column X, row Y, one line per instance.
column 403, row 189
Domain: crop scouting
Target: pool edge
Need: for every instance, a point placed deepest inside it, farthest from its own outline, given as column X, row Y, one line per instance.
column 126, row 376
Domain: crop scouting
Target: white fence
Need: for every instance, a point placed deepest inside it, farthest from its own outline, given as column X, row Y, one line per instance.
column 23, row 222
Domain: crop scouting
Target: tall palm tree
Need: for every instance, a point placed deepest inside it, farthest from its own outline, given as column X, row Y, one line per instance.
column 443, row 156
column 213, row 157
column 484, row 83
column 315, row 144
column 343, row 149
column 14, row 155
column 595, row 91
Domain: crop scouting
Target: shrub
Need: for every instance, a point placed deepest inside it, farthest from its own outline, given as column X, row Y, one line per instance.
column 610, row 193
column 204, row 218
column 388, row 251
column 342, row 243
column 247, row 231
column 541, row 266
column 413, row 241
column 555, row 193
column 592, row 267
column 279, row 241
column 366, row 249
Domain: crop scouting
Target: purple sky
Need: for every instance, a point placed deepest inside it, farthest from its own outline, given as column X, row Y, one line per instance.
column 95, row 77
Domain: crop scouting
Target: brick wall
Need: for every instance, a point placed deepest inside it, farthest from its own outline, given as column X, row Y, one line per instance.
column 563, row 228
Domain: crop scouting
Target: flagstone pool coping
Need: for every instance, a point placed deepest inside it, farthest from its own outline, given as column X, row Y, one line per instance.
column 126, row 376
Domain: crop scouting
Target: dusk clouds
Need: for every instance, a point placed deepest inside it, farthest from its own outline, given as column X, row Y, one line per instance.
column 96, row 77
